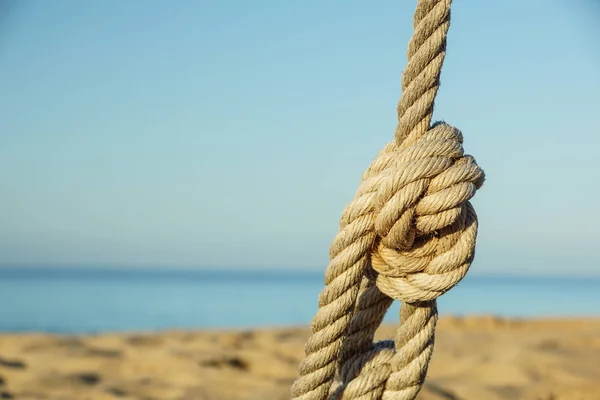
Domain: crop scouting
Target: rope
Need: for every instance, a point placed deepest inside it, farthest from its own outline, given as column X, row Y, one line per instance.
column 409, row 235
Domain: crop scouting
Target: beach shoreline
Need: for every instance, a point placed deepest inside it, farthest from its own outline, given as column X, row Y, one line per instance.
column 476, row 357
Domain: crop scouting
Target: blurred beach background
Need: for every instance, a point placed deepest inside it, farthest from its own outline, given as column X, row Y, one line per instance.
column 172, row 173
column 89, row 300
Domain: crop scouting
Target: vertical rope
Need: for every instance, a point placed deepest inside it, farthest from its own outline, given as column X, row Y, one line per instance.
column 421, row 77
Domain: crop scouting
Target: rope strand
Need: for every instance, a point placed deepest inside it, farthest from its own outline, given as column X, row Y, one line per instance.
column 421, row 77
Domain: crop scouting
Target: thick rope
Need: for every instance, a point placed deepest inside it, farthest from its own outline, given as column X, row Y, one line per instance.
column 409, row 234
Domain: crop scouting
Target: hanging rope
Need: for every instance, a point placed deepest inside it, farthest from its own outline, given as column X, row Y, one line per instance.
column 409, row 235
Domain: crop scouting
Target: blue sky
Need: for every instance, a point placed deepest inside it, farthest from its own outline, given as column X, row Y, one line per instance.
column 233, row 133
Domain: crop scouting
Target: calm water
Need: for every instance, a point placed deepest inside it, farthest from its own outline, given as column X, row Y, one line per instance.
column 77, row 301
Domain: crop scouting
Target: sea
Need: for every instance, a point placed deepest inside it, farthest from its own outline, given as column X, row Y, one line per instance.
column 94, row 300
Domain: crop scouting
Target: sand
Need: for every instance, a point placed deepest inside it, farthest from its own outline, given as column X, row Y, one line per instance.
column 478, row 358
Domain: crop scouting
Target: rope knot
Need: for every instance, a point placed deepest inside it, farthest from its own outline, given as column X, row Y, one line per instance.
column 408, row 234
column 425, row 224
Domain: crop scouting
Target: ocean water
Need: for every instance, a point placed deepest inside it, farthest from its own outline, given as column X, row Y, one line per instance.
column 95, row 300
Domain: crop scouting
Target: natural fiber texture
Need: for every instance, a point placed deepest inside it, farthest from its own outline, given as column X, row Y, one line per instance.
column 408, row 234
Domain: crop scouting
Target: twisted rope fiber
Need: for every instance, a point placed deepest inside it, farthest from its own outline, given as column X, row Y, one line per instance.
column 408, row 234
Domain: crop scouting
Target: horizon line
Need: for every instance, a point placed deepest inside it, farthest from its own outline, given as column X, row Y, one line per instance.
column 114, row 267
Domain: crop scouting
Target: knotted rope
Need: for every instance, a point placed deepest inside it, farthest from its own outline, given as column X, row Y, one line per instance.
column 409, row 234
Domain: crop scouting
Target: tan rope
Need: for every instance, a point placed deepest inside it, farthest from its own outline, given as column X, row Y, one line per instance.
column 409, row 234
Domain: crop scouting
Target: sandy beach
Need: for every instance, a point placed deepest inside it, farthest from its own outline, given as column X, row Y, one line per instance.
column 478, row 358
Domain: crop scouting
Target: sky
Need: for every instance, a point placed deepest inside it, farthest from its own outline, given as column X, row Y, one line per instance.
column 231, row 134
